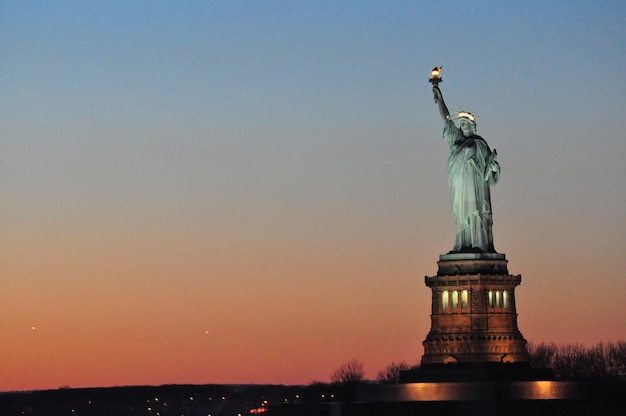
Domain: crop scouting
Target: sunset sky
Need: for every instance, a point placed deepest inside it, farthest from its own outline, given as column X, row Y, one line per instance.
column 253, row 191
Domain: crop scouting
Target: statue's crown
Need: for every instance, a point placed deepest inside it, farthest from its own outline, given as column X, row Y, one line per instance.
column 467, row 115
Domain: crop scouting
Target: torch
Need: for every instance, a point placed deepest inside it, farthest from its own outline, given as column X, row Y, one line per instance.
column 435, row 79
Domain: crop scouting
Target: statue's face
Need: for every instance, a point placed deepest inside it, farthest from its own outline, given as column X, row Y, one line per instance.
column 467, row 127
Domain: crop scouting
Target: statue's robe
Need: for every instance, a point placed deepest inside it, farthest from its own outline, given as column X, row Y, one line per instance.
column 469, row 190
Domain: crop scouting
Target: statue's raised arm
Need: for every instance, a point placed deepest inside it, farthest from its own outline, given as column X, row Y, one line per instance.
column 443, row 109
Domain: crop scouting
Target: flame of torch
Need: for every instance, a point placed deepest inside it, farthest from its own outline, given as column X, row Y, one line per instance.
column 435, row 79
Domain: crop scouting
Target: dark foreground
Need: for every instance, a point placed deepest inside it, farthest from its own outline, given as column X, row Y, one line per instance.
column 487, row 398
column 169, row 400
column 597, row 397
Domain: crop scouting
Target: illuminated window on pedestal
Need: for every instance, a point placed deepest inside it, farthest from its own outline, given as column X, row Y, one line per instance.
column 450, row 299
column 499, row 299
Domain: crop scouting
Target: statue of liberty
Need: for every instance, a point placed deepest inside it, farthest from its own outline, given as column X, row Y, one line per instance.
column 472, row 169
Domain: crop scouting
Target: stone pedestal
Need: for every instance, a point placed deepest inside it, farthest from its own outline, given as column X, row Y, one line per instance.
column 474, row 318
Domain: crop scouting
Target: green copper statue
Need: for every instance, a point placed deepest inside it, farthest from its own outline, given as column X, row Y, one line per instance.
column 472, row 169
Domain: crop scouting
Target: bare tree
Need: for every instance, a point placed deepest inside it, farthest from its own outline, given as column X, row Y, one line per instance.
column 616, row 359
column 572, row 361
column 542, row 355
column 350, row 372
column 391, row 373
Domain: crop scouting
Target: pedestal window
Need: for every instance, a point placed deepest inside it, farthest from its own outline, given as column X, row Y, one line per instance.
column 464, row 298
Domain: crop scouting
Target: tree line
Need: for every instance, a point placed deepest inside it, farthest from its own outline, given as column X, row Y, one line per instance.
column 565, row 361
column 575, row 361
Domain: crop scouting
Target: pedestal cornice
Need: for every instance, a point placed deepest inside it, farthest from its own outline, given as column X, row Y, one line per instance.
column 452, row 264
column 473, row 280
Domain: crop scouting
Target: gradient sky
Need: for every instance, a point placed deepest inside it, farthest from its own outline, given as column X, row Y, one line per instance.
column 253, row 191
